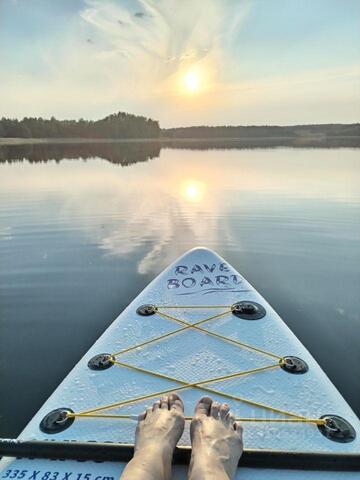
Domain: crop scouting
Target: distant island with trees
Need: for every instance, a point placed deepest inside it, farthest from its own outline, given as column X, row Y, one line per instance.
column 118, row 125
column 125, row 126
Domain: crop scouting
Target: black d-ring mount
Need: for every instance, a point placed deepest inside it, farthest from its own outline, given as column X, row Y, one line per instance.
column 146, row 310
column 248, row 310
column 57, row 420
column 102, row 361
column 337, row 429
column 294, row 365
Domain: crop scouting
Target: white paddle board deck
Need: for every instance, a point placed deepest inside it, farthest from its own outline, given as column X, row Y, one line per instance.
column 282, row 403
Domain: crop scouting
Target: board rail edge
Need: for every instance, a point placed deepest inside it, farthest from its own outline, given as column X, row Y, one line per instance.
column 117, row 452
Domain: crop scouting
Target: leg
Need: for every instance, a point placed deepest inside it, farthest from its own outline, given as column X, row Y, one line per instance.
column 157, row 433
column 216, row 442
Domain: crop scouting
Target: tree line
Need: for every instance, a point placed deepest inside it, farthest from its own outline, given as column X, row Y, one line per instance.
column 118, row 125
column 265, row 131
column 124, row 125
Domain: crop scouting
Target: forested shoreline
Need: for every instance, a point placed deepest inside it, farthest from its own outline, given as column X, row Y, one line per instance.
column 123, row 125
column 263, row 131
column 119, row 125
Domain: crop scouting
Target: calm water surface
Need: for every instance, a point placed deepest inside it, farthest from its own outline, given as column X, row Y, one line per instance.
column 84, row 228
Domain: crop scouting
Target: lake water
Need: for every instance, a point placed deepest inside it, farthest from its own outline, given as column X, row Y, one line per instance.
column 83, row 228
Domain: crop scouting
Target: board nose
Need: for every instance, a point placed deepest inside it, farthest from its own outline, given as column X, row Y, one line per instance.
column 200, row 254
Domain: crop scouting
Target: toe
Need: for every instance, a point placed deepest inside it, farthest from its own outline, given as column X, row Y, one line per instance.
column 148, row 412
column 230, row 419
column 215, row 409
column 142, row 416
column 224, row 410
column 238, row 428
column 203, row 406
column 164, row 403
column 156, row 406
column 176, row 403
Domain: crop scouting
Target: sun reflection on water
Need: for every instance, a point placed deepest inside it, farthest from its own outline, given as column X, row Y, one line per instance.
column 192, row 190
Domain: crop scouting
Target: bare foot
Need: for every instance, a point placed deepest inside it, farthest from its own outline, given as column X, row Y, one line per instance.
column 162, row 424
column 216, row 442
column 157, row 433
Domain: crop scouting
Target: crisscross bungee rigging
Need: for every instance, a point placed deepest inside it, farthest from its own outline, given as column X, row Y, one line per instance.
column 106, row 360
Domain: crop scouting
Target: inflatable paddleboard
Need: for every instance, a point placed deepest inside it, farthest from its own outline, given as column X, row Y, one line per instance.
column 198, row 329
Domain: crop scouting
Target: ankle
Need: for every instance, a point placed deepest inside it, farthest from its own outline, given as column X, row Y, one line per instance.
column 162, row 453
column 204, row 466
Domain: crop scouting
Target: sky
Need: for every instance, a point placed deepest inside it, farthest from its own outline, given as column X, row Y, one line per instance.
column 182, row 62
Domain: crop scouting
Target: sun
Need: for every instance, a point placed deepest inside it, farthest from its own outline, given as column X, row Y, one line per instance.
column 192, row 81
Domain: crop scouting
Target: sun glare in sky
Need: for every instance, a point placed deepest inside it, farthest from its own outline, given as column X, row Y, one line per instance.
column 192, row 81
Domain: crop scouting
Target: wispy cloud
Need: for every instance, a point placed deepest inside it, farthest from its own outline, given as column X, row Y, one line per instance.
column 156, row 38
